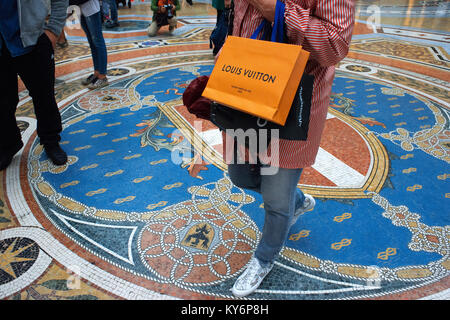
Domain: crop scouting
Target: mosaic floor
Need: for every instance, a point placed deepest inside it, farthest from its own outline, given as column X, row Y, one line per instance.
column 135, row 214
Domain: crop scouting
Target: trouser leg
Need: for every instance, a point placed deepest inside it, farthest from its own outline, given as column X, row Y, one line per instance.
column 113, row 8
column 37, row 71
column 281, row 198
column 94, row 53
column 9, row 98
column 152, row 29
column 93, row 26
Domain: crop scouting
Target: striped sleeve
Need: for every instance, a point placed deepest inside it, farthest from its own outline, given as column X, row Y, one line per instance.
column 325, row 30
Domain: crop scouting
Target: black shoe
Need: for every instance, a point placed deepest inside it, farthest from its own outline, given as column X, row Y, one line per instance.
column 190, row 2
column 7, row 155
column 111, row 24
column 55, row 153
column 88, row 80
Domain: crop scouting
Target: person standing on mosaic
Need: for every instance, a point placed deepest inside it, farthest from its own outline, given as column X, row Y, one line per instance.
column 164, row 13
column 27, row 44
column 323, row 28
column 114, row 17
column 91, row 23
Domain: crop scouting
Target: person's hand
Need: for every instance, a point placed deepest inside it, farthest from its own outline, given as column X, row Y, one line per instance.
column 52, row 37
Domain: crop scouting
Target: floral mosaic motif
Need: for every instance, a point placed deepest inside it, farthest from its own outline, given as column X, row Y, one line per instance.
column 151, row 132
column 346, row 106
column 59, row 284
column 51, row 290
column 195, row 165
column 415, row 84
column 424, row 237
column 433, row 141
column 106, row 99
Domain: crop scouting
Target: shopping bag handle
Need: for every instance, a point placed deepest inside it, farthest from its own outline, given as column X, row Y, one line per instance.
column 278, row 25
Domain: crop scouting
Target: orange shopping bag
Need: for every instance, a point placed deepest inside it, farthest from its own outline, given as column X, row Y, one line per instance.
column 257, row 77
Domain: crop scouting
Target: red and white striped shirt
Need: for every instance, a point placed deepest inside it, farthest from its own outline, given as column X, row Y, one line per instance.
column 324, row 29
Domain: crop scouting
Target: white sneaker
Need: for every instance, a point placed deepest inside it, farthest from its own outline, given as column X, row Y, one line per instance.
column 308, row 205
column 250, row 279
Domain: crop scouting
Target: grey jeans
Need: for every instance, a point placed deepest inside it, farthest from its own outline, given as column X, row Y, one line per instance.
column 281, row 199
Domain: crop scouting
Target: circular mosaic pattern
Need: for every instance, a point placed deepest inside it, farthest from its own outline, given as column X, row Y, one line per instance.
column 195, row 243
column 198, row 246
column 358, row 68
column 136, row 213
column 115, row 72
column 137, row 196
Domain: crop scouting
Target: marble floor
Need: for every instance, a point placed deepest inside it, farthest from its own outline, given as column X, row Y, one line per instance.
column 117, row 221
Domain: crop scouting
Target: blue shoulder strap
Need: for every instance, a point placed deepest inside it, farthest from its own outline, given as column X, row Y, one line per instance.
column 278, row 25
column 262, row 26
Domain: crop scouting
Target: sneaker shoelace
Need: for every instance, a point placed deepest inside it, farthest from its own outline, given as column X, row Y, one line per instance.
column 251, row 275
